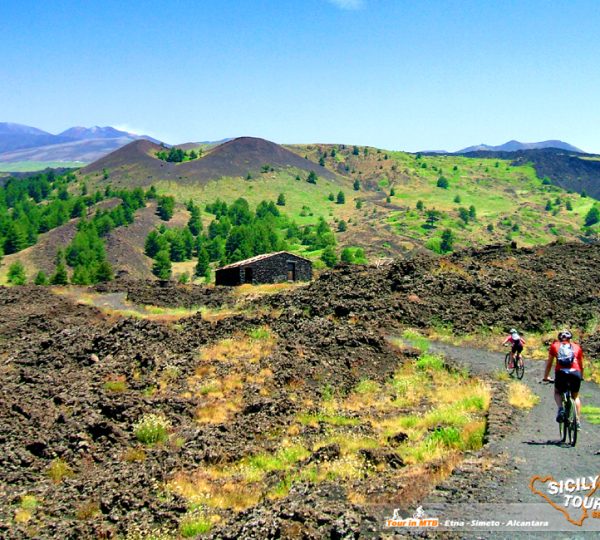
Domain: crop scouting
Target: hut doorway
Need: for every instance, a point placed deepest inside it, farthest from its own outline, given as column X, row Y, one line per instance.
column 248, row 277
column 291, row 271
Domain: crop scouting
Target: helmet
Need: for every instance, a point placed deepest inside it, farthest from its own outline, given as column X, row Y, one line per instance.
column 564, row 335
column 512, row 331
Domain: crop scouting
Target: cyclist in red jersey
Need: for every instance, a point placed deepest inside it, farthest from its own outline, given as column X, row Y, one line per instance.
column 568, row 372
column 516, row 342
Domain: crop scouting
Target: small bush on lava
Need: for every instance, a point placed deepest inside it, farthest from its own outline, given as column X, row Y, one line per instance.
column 151, row 429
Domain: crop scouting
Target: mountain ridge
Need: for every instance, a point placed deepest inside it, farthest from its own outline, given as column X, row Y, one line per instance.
column 137, row 162
column 514, row 145
column 19, row 142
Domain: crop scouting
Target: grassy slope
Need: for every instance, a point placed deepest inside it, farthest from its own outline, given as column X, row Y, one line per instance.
column 505, row 196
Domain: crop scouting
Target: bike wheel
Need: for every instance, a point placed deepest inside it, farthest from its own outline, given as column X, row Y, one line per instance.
column 520, row 367
column 509, row 370
column 572, row 418
column 564, row 425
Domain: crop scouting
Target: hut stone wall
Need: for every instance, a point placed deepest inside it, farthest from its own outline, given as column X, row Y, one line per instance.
column 276, row 268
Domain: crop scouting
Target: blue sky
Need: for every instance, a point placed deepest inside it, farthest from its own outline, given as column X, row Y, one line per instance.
column 396, row 74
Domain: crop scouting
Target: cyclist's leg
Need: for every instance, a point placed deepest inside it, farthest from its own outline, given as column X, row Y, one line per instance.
column 519, row 351
column 575, row 385
column 560, row 386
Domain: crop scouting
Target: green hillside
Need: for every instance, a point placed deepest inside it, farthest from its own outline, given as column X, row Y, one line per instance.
column 383, row 202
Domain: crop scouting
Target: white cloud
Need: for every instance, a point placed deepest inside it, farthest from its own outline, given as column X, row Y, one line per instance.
column 348, row 4
column 130, row 129
column 136, row 130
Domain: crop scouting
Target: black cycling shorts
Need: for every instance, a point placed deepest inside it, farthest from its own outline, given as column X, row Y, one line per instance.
column 517, row 347
column 567, row 379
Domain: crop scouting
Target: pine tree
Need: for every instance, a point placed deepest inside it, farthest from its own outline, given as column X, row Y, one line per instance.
column 81, row 276
column 341, row 198
column 60, row 276
column 16, row 273
column 356, row 184
column 162, row 265
column 195, row 223
column 447, row 241
column 329, row 257
column 207, row 275
column 347, row 256
column 312, row 177
column 281, row 200
column 592, row 217
column 16, row 240
column 203, row 262
column 154, row 243
column 104, row 272
column 166, row 207
column 41, row 278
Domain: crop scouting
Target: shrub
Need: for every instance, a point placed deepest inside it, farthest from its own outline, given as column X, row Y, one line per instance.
column 58, row 470
column 16, row 273
column 151, row 429
column 592, row 217
column 442, row 182
column 347, row 256
column 329, row 257
column 193, row 525
column 260, row 333
column 430, row 362
column 446, row 436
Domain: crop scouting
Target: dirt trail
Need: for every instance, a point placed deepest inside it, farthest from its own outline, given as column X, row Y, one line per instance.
column 532, row 449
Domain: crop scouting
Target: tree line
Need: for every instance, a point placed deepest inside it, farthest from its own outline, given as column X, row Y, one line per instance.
column 235, row 233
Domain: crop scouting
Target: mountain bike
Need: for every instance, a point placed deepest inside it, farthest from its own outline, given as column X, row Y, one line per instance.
column 568, row 427
column 518, row 366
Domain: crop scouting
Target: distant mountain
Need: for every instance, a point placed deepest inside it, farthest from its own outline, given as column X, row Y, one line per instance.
column 17, row 136
column 513, row 146
column 137, row 164
column 97, row 132
column 26, row 143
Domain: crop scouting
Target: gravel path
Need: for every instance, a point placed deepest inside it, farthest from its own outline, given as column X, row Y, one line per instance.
column 531, row 449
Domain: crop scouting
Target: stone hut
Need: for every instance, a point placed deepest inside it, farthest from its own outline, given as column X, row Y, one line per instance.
column 275, row 267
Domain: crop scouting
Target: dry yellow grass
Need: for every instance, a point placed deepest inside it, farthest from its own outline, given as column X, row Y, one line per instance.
column 520, row 396
column 22, row 515
column 240, row 348
column 266, row 289
column 448, row 267
column 134, row 454
column 448, row 417
column 217, row 412
column 202, row 488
